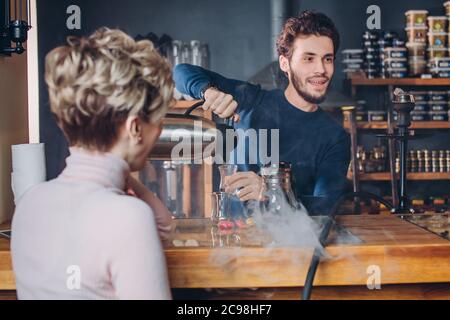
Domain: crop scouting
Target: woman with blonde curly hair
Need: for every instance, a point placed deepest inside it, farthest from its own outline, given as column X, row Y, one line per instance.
column 82, row 235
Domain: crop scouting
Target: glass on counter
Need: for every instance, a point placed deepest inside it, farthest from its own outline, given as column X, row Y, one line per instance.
column 224, row 238
column 220, row 207
column 223, row 200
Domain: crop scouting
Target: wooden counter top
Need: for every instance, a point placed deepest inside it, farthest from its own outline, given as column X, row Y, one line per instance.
column 6, row 274
column 405, row 254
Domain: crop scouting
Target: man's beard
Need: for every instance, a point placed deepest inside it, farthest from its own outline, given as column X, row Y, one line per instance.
column 298, row 86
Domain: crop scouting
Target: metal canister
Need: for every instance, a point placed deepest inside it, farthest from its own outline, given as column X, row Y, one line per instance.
column 447, row 156
column 413, row 161
column 420, row 161
column 427, row 161
column 397, row 164
column 434, row 161
column 361, row 157
column 379, row 155
column 442, row 161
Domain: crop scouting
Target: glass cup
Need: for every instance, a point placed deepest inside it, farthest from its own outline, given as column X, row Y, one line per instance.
column 220, row 206
column 224, row 238
column 225, row 171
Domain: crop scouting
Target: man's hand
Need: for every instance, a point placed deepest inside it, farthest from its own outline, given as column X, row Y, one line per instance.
column 249, row 184
column 220, row 103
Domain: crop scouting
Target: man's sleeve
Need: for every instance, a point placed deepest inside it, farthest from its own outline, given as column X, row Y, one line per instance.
column 192, row 80
column 331, row 178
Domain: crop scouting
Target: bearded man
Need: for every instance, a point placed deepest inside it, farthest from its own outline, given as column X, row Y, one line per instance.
column 317, row 147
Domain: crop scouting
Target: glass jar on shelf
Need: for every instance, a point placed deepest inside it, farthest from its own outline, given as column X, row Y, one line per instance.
column 204, row 52
column 186, row 53
column 175, row 56
column 196, row 57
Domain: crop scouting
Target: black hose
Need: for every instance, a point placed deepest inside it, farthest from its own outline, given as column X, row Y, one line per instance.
column 329, row 223
column 193, row 107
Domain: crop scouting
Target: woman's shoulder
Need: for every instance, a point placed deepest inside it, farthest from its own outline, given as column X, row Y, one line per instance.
column 36, row 193
column 121, row 207
column 125, row 221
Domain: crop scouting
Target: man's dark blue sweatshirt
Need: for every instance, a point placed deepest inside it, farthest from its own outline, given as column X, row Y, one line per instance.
column 317, row 147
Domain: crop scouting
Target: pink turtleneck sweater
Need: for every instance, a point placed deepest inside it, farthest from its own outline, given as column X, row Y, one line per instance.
column 80, row 236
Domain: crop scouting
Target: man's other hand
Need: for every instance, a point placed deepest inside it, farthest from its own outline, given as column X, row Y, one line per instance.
column 250, row 186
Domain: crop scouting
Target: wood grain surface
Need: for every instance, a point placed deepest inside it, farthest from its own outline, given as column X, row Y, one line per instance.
column 403, row 252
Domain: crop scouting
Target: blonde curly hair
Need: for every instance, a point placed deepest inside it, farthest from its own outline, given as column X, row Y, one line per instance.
column 95, row 83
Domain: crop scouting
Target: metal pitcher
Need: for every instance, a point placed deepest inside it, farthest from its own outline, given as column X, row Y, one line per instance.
column 185, row 127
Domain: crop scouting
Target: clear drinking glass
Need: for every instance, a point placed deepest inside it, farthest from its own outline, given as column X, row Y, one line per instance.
column 220, row 206
column 225, row 171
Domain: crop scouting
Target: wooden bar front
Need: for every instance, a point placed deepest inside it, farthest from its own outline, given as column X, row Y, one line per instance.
column 413, row 263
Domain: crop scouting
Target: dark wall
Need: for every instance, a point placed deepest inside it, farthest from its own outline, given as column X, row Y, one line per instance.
column 238, row 32
column 52, row 32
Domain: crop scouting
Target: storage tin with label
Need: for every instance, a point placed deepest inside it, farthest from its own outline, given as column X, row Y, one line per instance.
column 437, row 70
column 433, row 52
column 361, row 116
column 376, row 116
column 394, row 53
column 416, row 49
column 395, row 63
column 419, row 115
column 420, row 96
column 440, row 63
column 417, row 66
column 437, row 23
column 350, row 54
column 437, row 95
column 416, row 18
column 447, row 8
column 438, row 106
column 437, row 39
column 421, row 106
column 438, row 116
column 416, row 35
column 396, row 73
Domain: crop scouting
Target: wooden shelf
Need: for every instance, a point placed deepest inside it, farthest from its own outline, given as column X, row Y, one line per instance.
column 400, row 82
column 386, row 176
column 414, row 125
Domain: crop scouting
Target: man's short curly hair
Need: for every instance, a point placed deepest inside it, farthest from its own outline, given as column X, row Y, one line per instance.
column 305, row 24
column 95, row 83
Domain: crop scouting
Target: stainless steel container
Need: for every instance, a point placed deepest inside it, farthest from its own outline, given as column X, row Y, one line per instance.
column 193, row 133
column 179, row 129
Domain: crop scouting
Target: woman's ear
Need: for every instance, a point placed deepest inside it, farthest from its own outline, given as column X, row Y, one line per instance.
column 133, row 127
